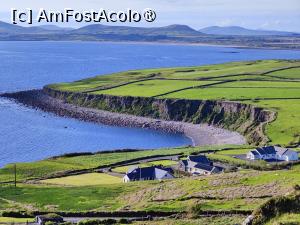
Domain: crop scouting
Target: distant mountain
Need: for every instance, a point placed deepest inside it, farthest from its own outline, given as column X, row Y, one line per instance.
column 172, row 30
column 13, row 29
column 236, row 30
column 55, row 28
column 230, row 36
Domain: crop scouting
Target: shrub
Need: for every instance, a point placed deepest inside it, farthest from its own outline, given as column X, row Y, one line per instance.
column 195, row 211
column 16, row 214
column 124, row 221
column 275, row 207
column 50, row 223
column 97, row 222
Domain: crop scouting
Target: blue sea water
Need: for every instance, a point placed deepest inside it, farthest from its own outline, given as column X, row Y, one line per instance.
column 27, row 134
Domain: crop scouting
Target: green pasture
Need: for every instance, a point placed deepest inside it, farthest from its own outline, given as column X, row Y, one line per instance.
column 88, row 179
column 62, row 164
column 151, row 88
column 124, row 169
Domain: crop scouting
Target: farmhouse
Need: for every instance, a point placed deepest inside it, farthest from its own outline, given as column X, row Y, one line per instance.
column 272, row 153
column 148, row 173
column 199, row 165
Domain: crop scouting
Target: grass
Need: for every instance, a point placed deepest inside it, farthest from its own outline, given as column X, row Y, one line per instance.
column 285, row 129
column 62, row 164
column 214, row 93
column 215, row 220
column 52, row 166
column 85, row 180
column 236, row 191
column 235, row 151
column 289, row 73
column 286, row 219
column 124, row 169
column 151, row 88
column 11, row 220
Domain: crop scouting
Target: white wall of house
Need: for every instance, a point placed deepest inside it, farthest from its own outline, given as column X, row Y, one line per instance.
column 126, row 179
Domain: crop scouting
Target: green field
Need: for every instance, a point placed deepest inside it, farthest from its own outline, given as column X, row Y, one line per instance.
column 152, row 88
column 9, row 220
column 244, row 190
column 286, row 219
column 272, row 84
column 217, row 220
column 88, row 179
column 62, row 164
column 124, row 169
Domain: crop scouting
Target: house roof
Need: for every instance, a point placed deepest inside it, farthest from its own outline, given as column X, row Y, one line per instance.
column 285, row 151
column 254, row 152
column 199, row 159
column 209, row 168
column 50, row 217
column 204, row 167
column 266, row 150
column 151, row 173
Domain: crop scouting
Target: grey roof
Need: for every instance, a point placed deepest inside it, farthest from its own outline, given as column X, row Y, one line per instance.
column 266, row 150
column 272, row 150
column 132, row 168
column 160, row 173
column 254, row 152
column 284, row 151
column 148, row 173
column 209, row 168
column 199, row 159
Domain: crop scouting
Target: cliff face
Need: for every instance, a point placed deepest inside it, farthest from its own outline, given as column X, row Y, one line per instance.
column 243, row 118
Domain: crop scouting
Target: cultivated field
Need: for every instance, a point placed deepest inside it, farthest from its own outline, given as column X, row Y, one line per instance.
column 272, row 84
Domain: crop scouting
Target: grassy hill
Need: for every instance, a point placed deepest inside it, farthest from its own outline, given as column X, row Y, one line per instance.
column 272, row 84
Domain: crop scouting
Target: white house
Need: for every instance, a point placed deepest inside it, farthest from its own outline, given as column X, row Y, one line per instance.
column 199, row 165
column 148, row 173
column 272, row 153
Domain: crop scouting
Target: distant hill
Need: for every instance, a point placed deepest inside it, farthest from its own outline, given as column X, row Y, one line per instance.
column 55, row 28
column 15, row 29
column 230, row 36
column 236, row 30
column 172, row 30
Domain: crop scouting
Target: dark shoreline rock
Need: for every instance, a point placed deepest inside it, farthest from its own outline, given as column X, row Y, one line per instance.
column 201, row 134
column 246, row 119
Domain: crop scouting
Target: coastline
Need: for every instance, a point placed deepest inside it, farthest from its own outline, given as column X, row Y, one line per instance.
column 200, row 134
column 166, row 43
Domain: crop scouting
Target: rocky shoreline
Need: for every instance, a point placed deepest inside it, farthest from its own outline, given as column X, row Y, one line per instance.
column 200, row 134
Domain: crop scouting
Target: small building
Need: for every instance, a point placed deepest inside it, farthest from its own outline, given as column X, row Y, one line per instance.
column 43, row 219
column 148, row 173
column 199, row 165
column 272, row 153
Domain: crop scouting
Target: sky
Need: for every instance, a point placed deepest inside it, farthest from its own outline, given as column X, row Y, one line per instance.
column 255, row 14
